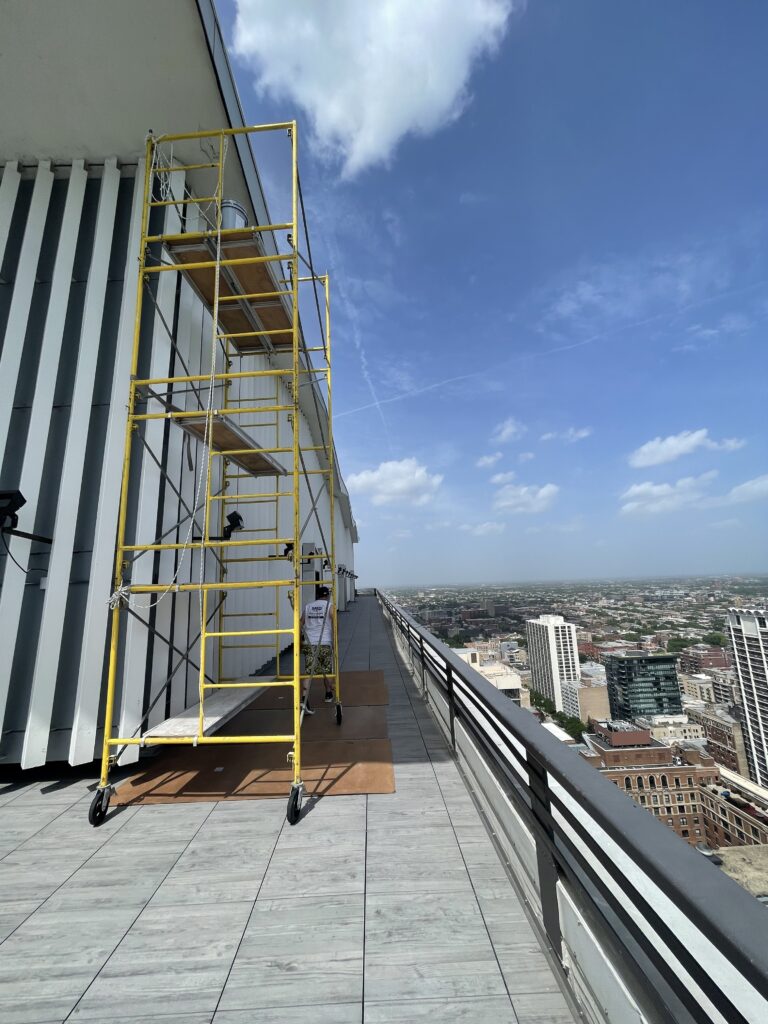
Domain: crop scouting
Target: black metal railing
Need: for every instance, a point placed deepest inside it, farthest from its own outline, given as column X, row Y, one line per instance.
column 687, row 941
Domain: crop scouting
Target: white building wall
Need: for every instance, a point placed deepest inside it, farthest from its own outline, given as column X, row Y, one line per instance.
column 749, row 638
column 68, row 249
column 554, row 660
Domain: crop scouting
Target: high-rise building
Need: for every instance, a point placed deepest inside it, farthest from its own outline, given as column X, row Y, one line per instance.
column 749, row 636
column 553, row 658
column 642, row 684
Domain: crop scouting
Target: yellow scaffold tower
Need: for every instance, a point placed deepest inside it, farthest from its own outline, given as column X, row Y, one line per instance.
column 261, row 476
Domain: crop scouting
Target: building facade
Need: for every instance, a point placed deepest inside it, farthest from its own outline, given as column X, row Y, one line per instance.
column 554, row 660
column 749, row 636
column 700, row 657
column 734, row 815
column 724, row 736
column 593, row 701
column 672, row 729
column 665, row 780
column 641, row 684
column 697, row 687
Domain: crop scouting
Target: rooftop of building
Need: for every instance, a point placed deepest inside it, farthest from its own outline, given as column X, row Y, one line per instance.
column 396, row 906
column 747, row 865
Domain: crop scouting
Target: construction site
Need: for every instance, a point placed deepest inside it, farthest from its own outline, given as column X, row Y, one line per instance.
column 233, row 785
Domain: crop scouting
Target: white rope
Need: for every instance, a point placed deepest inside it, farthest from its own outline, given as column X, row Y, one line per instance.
column 122, row 595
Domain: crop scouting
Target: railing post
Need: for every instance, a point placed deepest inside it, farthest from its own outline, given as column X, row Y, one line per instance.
column 545, row 862
column 451, row 704
column 423, row 671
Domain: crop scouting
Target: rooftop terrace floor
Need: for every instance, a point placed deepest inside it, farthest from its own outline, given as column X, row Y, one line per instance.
column 381, row 908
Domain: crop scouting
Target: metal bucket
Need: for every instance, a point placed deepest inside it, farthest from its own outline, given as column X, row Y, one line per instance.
column 233, row 215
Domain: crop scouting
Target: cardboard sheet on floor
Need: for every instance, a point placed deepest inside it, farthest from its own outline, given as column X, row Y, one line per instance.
column 258, row 771
column 357, row 689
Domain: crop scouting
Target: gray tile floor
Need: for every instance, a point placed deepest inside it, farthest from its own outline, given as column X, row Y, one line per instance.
column 383, row 909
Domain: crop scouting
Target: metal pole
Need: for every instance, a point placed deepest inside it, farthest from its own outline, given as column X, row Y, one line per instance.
column 451, row 704
column 295, row 380
column 547, row 869
column 123, row 513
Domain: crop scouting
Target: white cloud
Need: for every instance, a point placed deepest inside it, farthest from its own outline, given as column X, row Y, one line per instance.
column 572, row 527
column 509, row 429
column 570, row 435
column 488, row 460
column 482, row 529
column 405, row 481
column 725, row 524
column 731, row 323
column 652, row 498
column 369, row 74
column 667, row 449
column 751, row 490
column 502, row 478
column 692, row 490
column 525, row 456
column 529, row 499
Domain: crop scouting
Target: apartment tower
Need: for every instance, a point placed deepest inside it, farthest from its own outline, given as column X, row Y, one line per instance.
column 749, row 636
column 554, row 660
column 642, row 684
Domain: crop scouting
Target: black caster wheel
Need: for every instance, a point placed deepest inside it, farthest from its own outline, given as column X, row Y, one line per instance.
column 97, row 812
column 339, row 714
column 294, row 805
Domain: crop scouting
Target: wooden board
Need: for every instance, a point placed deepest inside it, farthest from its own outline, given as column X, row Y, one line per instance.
column 252, row 278
column 259, row 771
column 226, row 436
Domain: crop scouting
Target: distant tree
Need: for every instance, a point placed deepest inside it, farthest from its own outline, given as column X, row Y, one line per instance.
column 715, row 639
column 675, row 644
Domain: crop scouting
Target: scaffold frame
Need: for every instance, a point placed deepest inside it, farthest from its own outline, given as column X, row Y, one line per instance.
column 232, row 289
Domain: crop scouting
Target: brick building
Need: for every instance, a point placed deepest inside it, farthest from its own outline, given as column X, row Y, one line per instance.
column 700, row 657
column 735, row 812
column 723, row 733
column 665, row 780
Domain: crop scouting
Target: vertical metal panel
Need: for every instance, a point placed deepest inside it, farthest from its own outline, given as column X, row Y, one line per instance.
column 12, row 592
column 9, row 188
column 137, row 637
column 10, row 358
column 51, row 628
column 85, row 723
column 16, row 328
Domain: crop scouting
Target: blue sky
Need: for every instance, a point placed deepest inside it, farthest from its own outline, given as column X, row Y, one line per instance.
column 546, row 225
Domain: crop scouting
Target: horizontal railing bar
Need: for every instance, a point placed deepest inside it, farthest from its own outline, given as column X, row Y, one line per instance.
column 197, row 545
column 215, row 133
column 195, row 236
column 193, row 741
column 239, row 261
column 224, row 376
